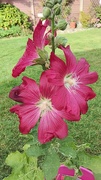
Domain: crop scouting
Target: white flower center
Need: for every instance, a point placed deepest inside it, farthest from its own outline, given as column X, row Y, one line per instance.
column 69, row 81
column 45, row 105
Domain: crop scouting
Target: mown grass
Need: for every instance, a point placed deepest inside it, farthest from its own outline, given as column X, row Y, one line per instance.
column 84, row 44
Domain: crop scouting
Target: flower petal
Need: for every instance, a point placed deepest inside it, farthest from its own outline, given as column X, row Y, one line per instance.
column 28, row 115
column 26, row 60
column 14, row 94
column 46, row 88
column 70, row 58
column 87, row 174
column 51, row 125
column 82, row 67
column 38, row 35
column 64, row 171
column 81, row 103
column 89, row 78
column 58, row 65
column 86, row 92
column 64, row 99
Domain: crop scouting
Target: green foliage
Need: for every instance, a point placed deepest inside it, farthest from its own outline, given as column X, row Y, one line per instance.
column 23, row 167
column 11, row 16
column 51, row 164
column 98, row 12
column 42, row 161
column 13, row 31
column 85, row 19
column 87, row 130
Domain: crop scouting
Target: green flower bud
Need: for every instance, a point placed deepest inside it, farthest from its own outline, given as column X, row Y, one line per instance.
column 50, row 3
column 57, row 1
column 62, row 24
column 60, row 41
column 57, row 9
column 46, row 12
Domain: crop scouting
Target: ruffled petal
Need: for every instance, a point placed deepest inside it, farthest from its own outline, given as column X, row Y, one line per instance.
column 39, row 33
column 30, row 93
column 54, row 78
column 87, row 174
column 51, row 126
column 89, row 78
column 86, row 92
column 64, row 171
column 82, row 67
column 70, row 59
column 82, row 103
column 28, row 115
column 15, row 94
column 64, row 99
column 27, row 59
column 58, row 65
column 46, row 88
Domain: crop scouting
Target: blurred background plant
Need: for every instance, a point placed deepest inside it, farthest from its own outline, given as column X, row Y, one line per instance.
column 12, row 21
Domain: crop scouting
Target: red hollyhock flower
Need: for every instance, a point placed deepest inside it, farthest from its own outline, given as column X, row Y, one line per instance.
column 72, row 79
column 30, row 54
column 65, row 171
column 37, row 105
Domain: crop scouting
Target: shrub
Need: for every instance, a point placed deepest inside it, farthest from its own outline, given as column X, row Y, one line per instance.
column 85, row 19
column 98, row 16
column 11, row 16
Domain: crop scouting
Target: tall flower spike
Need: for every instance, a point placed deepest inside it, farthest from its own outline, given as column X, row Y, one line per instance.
column 37, row 105
column 71, row 79
column 30, row 54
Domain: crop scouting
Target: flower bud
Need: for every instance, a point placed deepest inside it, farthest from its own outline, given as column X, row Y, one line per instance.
column 46, row 12
column 57, row 9
column 58, row 1
column 50, row 3
column 60, row 41
column 62, row 24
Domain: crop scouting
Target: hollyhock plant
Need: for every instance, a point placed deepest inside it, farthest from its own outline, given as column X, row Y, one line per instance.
column 65, row 171
column 31, row 52
column 61, row 94
column 37, row 104
column 72, row 79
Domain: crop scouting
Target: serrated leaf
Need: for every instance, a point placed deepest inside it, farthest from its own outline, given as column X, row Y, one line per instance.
column 68, row 147
column 51, row 165
column 16, row 160
column 91, row 162
column 28, row 167
column 35, row 151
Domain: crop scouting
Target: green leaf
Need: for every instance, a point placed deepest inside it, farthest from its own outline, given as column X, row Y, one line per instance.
column 68, row 147
column 35, row 151
column 91, row 162
column 51, row 165
column 16, row 160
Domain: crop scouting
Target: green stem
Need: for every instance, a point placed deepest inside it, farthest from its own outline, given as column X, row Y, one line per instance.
column 52, row 26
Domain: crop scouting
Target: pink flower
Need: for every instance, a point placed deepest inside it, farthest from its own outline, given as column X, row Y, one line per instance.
column 71, row 79
column 65, row 171
column 37, row 105
column 30, row 54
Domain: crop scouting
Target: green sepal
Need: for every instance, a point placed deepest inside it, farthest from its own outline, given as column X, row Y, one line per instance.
column 49, row 3
column 61, row 25
column 60, row 41
column 57, row 9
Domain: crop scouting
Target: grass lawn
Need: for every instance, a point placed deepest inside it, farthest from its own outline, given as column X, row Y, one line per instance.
column 85, row 44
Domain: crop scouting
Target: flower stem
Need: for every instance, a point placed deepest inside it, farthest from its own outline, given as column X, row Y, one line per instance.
column 52, row 26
